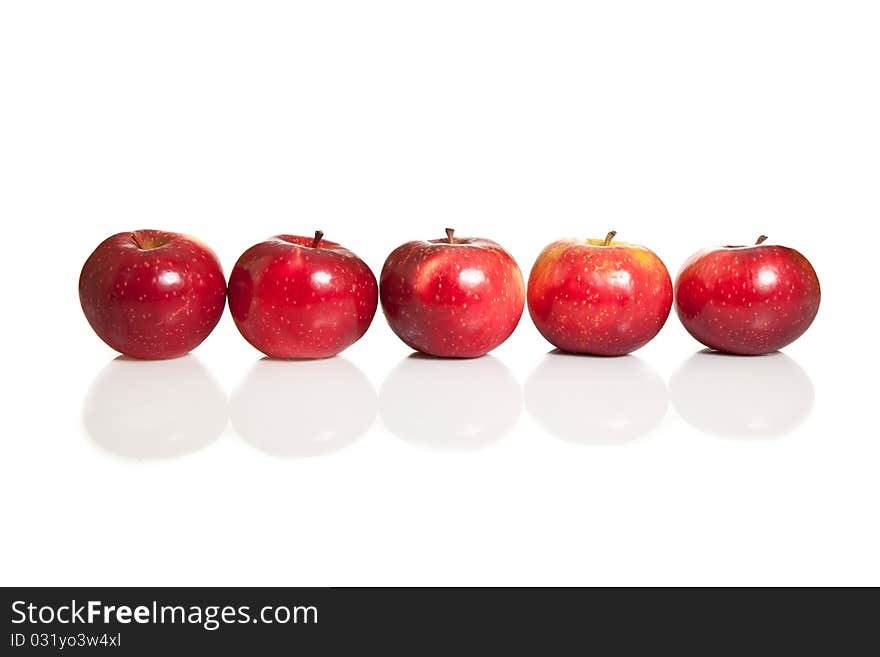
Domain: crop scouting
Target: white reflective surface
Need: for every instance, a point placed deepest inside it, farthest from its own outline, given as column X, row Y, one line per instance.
column 594, row 400
column 450, row 404
column 154, row 409
column 304, row 408
column 742, row 397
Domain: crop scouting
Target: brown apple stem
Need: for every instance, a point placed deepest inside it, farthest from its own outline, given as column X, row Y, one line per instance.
column 137, row 242
column 609, row 237
column 318, row 235
column 761, row 240
column 449, row 235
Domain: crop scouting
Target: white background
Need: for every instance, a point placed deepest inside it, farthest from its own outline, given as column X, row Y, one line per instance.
column 680, row 124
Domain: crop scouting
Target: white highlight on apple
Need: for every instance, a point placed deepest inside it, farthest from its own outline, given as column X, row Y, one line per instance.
column 471, row 276
column 321, row 278
column 169, row 278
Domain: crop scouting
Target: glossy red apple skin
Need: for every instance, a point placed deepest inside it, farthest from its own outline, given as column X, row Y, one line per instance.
column 291, row 299
column 747, row 300
column 152, row 294
column 591, row 298
column 452, row 298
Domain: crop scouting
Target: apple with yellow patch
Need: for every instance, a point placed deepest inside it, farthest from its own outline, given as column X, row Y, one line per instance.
column 599, row 296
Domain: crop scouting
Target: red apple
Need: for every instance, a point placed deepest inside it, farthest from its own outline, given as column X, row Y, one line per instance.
column 152, row 293
column 598, row 296
column 747, row 299
column 301, row 297
column 458, row 297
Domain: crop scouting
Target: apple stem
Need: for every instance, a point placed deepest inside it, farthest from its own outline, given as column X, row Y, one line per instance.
column 609, row 237
column 761, row 240
column 137, row 242
column 318, row 235
column 449, row 235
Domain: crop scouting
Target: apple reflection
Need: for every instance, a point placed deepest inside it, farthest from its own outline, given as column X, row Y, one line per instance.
column 303, row 408
column 153, row 409
column 742, row 396
column 450, row 403
column 595, row 400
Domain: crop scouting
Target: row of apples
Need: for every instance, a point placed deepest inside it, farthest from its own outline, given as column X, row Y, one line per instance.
column 157, row 294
